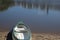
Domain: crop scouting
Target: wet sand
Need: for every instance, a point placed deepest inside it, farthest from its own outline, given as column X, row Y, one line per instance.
column 35, row 36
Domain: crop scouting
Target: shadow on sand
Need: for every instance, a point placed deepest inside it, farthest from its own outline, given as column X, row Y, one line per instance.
column 9, row 36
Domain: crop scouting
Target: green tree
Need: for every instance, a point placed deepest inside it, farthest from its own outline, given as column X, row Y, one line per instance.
column 4, row 4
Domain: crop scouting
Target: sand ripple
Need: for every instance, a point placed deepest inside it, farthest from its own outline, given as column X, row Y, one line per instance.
column 35, row 36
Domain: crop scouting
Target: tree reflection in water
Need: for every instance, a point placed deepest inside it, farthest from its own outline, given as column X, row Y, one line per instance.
column 4, row 4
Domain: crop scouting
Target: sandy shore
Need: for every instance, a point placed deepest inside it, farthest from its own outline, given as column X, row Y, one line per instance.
column 35, row 36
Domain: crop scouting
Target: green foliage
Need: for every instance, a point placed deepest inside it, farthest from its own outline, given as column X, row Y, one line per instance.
column 4, row 4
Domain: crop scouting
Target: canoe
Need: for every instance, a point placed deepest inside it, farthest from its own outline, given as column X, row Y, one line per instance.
column 21, row 32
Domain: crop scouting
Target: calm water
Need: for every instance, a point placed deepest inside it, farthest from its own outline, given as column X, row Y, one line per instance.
column 40, row 16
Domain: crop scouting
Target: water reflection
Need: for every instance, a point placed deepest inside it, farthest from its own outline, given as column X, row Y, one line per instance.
column 4, row 4
column 34, row 4
column 42, row 6
column 30, row 5
column 33, row 13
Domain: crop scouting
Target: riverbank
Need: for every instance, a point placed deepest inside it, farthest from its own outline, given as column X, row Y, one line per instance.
column 35, row 36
